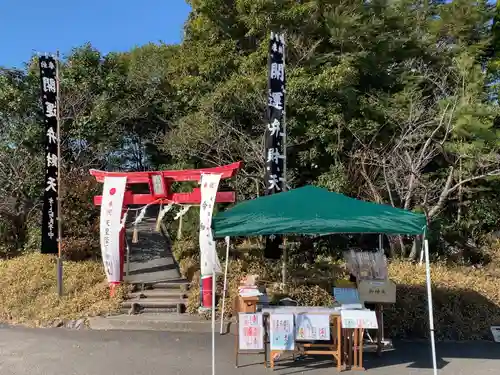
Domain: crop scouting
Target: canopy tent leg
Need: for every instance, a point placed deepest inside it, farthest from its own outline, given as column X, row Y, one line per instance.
column 214, row 259
column 422, row 254
column 381, row 335
column 225, row 287
column 429, row 301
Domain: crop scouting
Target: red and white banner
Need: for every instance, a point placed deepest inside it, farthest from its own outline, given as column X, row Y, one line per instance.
column 111, row 212
column 209, row 185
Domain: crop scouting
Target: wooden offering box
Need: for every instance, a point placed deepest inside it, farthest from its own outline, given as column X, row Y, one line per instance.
column 247, row 304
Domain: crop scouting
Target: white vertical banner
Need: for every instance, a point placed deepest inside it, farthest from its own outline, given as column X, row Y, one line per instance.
column 209, row 185
column 111, row 212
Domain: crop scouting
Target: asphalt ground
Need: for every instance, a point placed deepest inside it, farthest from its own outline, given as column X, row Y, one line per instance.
column 65, row 352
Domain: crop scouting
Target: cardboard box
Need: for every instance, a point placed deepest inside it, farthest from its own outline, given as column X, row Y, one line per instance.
column 377, row 291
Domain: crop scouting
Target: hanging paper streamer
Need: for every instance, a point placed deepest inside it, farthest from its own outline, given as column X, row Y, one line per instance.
column 179, row 216
column 209, row 186
column 135, row 235
column 139, row 218
column 182, row 212
column 161, row 215
column 124, row 219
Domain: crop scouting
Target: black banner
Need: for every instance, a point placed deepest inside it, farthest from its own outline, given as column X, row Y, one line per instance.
column 48, row 77
column 275, row 136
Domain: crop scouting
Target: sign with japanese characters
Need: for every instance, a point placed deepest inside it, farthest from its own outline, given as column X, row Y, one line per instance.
column 312, row 327
column 113, row 192
column 251, row 331
column 353, row 319
column 377, row 291
column 274, row 152
column 50, row 214
column 282, row 335
column 209, row 185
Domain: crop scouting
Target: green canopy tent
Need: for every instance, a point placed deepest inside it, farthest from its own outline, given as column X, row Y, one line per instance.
column 312, row 210
column 316, row 211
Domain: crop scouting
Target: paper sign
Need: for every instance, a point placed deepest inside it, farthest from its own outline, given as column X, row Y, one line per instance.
column 251, row 332
column 495, row 331
column 346, row 296
column 359, row 319
column 209, row 185
column 373, row 291
column 282, row 332
column 110, row 225
column 312, row 327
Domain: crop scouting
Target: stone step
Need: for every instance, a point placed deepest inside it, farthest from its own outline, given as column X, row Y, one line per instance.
column 153, row 303
column 149, row 266
column 159, row 322
column 149, row 277
column 157, row 293
column 172, row 284
column 177, row 310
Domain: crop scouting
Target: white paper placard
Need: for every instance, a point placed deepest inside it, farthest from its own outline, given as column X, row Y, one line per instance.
column 251, row 331
column 346, row 296
column 359, row 319
column 312, row 327
column 209, row 185
column 113, row 192
column 282, row 332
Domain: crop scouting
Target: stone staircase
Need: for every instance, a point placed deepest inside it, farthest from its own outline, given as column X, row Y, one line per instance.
column 158, row 298
column 152, row 271
column 168, row 296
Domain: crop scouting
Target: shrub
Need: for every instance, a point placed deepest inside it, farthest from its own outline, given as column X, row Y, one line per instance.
column 29, row 295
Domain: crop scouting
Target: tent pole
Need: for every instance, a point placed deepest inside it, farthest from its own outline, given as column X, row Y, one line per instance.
column 284, row 274
column 225, row 286
column 213, row 309
column 381, row 250
column 422, row 254
column 429, row 300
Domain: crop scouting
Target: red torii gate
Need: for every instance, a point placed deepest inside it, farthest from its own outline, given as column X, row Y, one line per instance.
column 160, row 192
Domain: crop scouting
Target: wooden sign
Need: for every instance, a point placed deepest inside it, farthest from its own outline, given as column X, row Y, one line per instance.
column 312, row 327
column 377, row 291
column 354, row 319
column 251, row 332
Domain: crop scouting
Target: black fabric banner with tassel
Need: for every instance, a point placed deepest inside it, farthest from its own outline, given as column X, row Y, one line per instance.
column 275, row 133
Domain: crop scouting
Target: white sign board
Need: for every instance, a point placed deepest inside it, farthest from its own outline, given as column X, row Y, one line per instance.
column 346, row 296
column 251, row 331
column 209, row 185
column 113, row 192
column 352, row 319
column 495, row 331
column 282, row 332
column 312, row 327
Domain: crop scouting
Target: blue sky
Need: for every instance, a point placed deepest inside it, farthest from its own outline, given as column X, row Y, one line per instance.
column 110, row 25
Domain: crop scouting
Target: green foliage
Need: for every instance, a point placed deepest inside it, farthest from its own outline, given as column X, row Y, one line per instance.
column 386, row 101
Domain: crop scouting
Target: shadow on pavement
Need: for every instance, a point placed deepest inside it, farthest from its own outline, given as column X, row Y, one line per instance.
column 413, row 355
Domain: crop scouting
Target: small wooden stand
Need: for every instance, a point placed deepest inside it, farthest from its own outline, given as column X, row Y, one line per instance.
column 334, row 348
column 247, row 305
column 353, row 346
